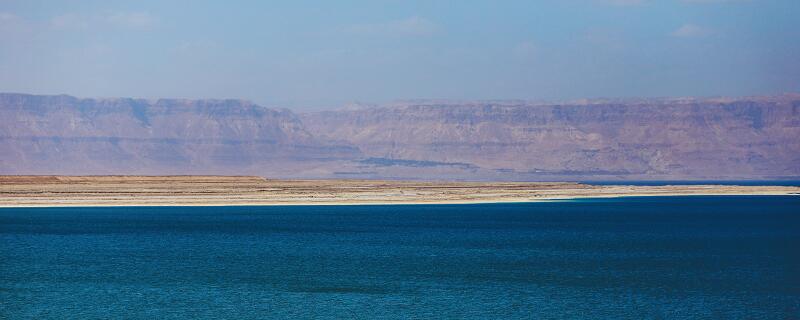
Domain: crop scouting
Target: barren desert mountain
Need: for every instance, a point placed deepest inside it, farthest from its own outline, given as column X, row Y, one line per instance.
column 685, row 138
column 64, row 134
column 665, row 138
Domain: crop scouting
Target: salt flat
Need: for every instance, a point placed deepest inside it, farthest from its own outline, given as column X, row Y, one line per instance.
column 48, row 191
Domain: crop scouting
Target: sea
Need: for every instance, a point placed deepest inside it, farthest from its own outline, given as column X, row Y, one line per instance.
column 697, row 257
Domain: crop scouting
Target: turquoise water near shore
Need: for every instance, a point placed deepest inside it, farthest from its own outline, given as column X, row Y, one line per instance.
column 732, row 257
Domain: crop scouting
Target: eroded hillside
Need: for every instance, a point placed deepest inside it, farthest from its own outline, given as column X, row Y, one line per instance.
column 746, row 138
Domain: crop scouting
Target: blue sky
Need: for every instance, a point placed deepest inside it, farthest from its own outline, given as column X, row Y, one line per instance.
column 323, row 54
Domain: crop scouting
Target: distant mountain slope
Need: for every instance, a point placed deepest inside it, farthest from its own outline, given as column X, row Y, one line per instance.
column 747, row 138
column 67, row 135
column 663, row 139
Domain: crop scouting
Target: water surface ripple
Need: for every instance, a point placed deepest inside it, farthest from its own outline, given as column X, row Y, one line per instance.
column 726, row 257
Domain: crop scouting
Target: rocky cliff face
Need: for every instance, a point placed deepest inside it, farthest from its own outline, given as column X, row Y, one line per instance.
column 645, row 139
column 750, row 138
column 67, row 135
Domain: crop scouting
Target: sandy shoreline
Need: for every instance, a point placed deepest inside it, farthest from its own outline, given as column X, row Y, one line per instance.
column 89, row 191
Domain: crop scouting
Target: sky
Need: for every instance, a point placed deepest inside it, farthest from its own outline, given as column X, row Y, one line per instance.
column 312, row 55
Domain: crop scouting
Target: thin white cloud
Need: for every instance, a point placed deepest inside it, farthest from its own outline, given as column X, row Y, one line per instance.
column 691, row 31
column 412, row 26
column 129, row 20
column 139, row 20
column 10, row 21
column 624, row 2
column 607, row 39
column 525, row 50
column 85, row 51
column 69, row 21
column 7, row 17
column 712, row 1
column 194, row 48
column 13, row 27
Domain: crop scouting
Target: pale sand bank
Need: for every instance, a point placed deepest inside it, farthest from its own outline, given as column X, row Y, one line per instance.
column 66, row 191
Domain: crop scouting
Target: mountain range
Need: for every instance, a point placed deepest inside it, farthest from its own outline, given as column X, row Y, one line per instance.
column 609, row 139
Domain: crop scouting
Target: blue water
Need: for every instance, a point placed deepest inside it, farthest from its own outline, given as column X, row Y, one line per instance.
column 631, row 258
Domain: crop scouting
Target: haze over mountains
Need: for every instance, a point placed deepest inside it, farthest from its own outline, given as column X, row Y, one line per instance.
column 731, row 138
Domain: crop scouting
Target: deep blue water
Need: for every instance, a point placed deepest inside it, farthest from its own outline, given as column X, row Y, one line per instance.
column 631, row 258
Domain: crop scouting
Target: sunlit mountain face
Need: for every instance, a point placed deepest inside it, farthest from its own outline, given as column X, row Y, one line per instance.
column 634, row 139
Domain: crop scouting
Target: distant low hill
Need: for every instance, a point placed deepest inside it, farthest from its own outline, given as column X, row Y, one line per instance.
column 742, row 138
